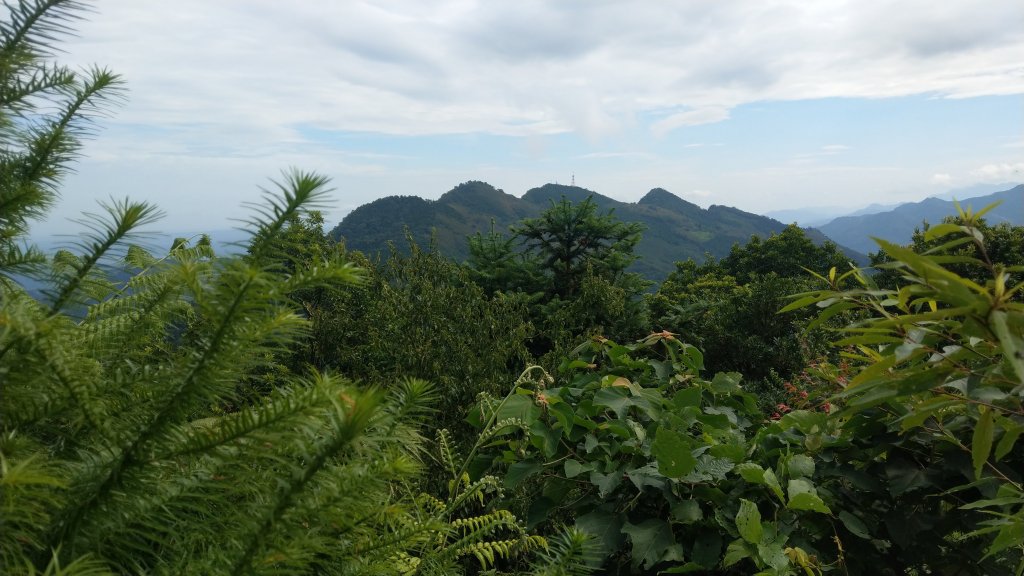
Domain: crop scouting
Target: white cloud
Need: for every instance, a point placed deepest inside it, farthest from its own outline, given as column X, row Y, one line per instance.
column 942, row 179
column 531, row 67
column 834, row 148
column 708, row 115
column 1005, row 172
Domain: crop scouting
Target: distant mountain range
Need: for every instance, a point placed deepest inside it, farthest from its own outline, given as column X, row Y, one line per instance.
column 897, row 225
column 676, row 229
column 821, row 215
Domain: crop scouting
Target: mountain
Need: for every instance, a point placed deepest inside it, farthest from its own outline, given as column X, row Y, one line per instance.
column 807, row 216
column 676, row 229
column 898, row 225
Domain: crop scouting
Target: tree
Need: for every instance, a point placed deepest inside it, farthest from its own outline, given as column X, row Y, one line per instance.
column 567, row 239
column 789, row 253
column 570, row 265
column 125, row 444
column 45, row 111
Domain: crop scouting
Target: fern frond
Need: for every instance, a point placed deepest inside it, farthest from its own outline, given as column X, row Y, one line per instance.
column 445, row 451
column 475, row 490
column 570, row 553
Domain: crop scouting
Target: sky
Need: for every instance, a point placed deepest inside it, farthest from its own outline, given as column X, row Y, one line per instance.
column 760, row 105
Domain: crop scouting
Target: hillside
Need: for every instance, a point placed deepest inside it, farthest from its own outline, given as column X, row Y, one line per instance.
column 898, row 224
column 676, row 229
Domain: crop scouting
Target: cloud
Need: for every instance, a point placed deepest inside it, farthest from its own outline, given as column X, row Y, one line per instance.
column 605, row 155
column 1005, row 172
column 708, row 115
column 530, row 68
column 834, row 148
column 942, row 179
column 827, row 150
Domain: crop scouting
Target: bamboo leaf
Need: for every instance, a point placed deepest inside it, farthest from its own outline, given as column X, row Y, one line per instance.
column 981, row 442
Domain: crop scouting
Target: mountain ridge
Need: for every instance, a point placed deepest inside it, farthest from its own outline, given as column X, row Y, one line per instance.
column 898, row 224
column 676, row 229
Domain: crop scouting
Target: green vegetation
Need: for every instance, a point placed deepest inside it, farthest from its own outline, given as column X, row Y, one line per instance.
column 675, row 229
column 306, row 409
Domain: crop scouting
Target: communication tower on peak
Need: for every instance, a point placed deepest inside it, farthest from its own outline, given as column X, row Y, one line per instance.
column 574, row 179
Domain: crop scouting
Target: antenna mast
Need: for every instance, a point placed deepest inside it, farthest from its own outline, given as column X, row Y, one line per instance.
column 573, row 178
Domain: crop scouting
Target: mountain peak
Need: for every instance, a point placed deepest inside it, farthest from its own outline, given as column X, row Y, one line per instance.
column 473, row 189
column 555, row 192
column 661, row 198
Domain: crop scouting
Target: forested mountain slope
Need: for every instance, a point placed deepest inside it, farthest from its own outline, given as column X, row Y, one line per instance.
column 675, row 229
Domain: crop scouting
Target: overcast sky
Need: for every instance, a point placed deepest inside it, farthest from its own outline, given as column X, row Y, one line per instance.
column 759, row 105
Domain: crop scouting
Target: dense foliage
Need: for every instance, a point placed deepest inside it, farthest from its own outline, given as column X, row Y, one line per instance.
column 185, row 413
column 729, row 307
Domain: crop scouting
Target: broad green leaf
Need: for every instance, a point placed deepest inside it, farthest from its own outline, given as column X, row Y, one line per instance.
column 981, row 442
column 736, row 551
column 708, row 469
column 562, row 412
column 925, row 410
column 518, row 406
column 748, row 521
column 805, row 421
column 773, row 482
column 606, row 483
column 773, row 555
column 751, row 472
column 521, row 471
column 1007, row 441
column 673, row 453
column 707, row 548
column 803, row 496
column 1013, row 347
column 615, row 398
column 687, row 397
column 800, row 465
column 647, row 475
column 855, row 525
column 1012, row 534
column 545, row 438
column 605, row 527
column 904, row 476
column 808, row 501
column 650, row 539
column 726, row 382
column 573, row 468
column 687, row 511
